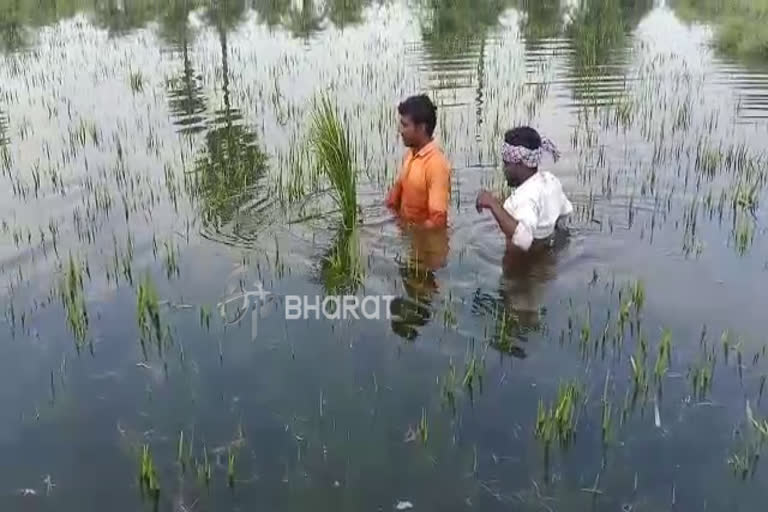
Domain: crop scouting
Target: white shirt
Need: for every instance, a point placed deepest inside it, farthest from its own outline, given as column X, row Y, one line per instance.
column 536, row 205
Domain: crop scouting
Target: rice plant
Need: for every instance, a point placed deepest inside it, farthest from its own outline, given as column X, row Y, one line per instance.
column 342, row 268
column 423, row 428
column 73, row 299
column 148, row 311
column 558, row 421
column 334, row 155
column 664, row 356
column 231, row 467
column 148, row 474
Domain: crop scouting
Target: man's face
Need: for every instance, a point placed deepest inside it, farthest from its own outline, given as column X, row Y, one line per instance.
column 516, row 174
column 410, row 131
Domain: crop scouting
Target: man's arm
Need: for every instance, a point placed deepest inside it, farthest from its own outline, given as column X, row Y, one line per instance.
column 395, row 194
column 507, row 223
column 439, row 191
column 517, row 232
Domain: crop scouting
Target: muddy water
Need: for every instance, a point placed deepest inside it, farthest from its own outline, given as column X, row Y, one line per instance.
column 167, row 144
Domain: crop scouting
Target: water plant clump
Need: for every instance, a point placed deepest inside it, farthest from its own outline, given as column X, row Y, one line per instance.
column 334, row 155
column 557, row 422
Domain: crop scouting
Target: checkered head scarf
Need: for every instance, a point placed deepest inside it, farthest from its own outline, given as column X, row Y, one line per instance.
column 529, row 157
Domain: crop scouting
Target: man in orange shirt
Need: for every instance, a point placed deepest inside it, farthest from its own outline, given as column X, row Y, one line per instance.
column 421, row 192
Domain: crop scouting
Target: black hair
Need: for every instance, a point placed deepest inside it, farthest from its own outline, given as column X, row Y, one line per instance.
column 421, row 110
column 523, row 136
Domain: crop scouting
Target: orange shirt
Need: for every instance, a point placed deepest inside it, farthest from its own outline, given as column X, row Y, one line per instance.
column 423, row 188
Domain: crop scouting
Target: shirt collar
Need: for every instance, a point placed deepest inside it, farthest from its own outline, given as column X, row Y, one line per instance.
column 426, row 150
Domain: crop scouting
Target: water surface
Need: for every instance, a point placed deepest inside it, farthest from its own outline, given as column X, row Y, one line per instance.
column 166, row 143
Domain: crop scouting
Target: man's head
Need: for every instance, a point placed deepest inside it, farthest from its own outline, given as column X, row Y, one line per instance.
column 517, row 172
column 418, row 118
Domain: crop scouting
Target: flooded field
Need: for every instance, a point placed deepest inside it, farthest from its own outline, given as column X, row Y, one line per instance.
column 158, row 169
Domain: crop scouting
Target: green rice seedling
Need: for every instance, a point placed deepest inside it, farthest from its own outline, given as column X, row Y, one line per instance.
column 449, row 387
column 73, row 299
column 664, row 356
column 148, row 311
column 205, row 317
column 743, row 234
column 204, row 469
column 742, row 463
column 637, row 293
column 506, row 324
column 558, row 421
column 147, row 473
column 171, row 260
column 342, row 268
column 231, row 467
column 607, row 411
column 701, row 377
column 624, row 312
column 423, row 429
column 639, row 372
column 473, row 372
column 180, row 451
column 334, row 154
column 725, row 339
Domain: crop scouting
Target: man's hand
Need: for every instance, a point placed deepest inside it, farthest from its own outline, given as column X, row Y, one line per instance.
column 485, row 201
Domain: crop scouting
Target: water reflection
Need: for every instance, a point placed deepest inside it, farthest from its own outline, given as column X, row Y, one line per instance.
column 541, row 19
column 517, row 309
column 271, row 12
column 186, row 100
column 120, row 17
column 304, row 19
column 598, row 30
column 3, row 129
column 346, row 12
column 455, row 39
column 13, row 34
column 232, row 160
column 428, row 253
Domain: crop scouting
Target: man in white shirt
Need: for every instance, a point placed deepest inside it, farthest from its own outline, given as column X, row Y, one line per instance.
column 532, row 211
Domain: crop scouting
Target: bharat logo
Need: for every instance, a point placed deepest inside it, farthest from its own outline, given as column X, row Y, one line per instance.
column 244, row 301
column 304, row 307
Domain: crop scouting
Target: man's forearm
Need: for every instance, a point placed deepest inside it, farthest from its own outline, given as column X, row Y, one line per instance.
column 506, row 222
column 394, row 195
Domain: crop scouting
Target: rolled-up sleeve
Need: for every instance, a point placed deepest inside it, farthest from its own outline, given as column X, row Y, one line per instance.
column 527, row 217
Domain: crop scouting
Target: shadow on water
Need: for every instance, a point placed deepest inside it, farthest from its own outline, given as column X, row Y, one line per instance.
column 428, row 252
